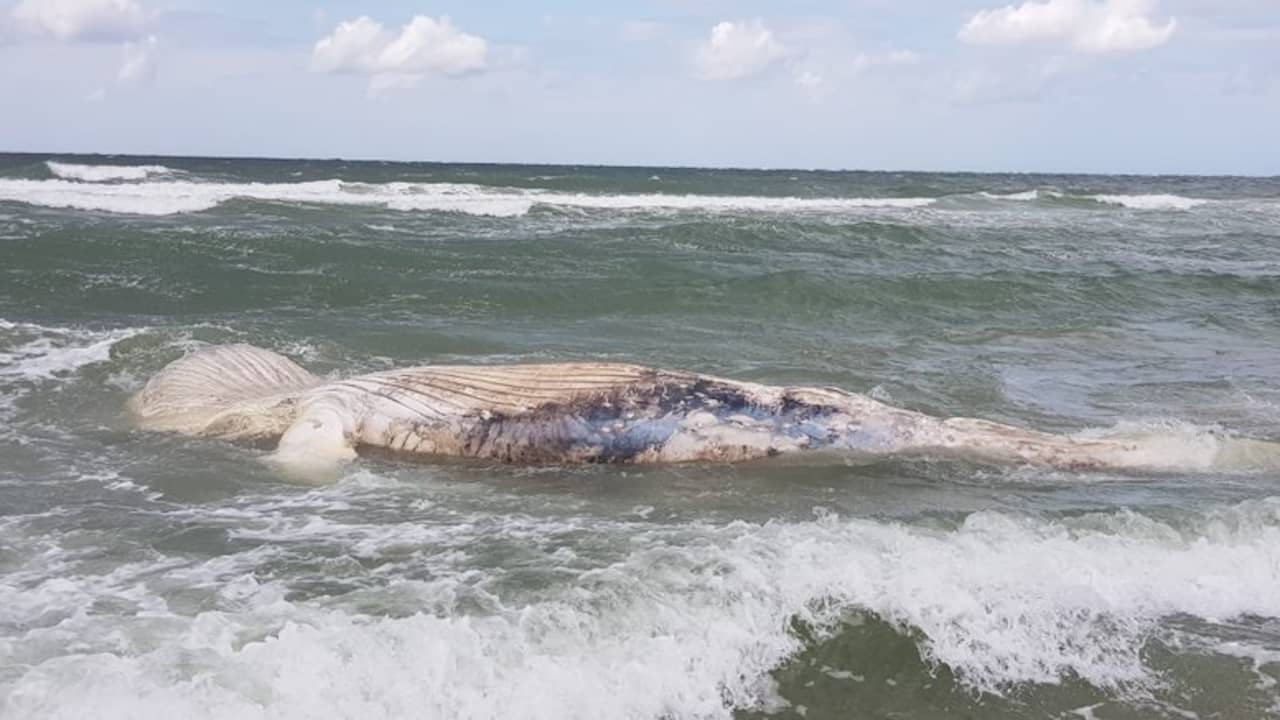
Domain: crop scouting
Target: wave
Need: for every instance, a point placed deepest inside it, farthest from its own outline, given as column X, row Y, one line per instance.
column 1159, row 201
column 1151, row 202
column 33, row 355
column 1176, row 444
column 1025, row 195
column 168, row 198
column 34, row 352
column 105, row 173
column 171, row 197
column 684, row 621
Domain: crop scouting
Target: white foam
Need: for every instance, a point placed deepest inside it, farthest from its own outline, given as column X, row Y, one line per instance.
column 1259, row 658
column 125, row 485
column 172, row 197
column 1175, row 444
column 60, row 352
column 718, row 202
column 1020, row 196
column 1151, row 202
column 105, row 173
column 1159, row 201
column 31, row 353
column 686, row 622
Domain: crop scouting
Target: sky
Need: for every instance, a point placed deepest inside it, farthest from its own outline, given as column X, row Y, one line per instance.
column 1141, row 86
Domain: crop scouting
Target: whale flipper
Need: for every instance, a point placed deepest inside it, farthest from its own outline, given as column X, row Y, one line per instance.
column 318, row 441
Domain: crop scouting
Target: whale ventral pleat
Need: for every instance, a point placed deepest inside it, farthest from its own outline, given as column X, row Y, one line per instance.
column 227, row 390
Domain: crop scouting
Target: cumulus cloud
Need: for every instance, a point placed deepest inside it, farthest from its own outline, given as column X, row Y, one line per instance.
column 737, row 50
column 1088, row 26
column 81, row 19
column 395, row 60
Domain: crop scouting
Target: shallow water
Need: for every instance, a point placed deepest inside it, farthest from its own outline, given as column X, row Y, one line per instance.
column 147, row 575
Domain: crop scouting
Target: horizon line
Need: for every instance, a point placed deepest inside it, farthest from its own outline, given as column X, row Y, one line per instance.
column 625, row 166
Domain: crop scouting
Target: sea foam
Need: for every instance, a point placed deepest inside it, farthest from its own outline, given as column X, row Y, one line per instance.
column 687, row 623
column 32, row 355
column 1024, row 195
column 152, row 190
column 1151, row 202
column 104, row 173
column 42, row 352
column 180, row 196
column 1158, row 201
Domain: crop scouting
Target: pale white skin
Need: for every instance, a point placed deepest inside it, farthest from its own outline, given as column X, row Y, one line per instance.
column 600, row 412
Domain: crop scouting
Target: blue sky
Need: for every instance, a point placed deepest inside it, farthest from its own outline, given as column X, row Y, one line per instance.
column 1146, row 86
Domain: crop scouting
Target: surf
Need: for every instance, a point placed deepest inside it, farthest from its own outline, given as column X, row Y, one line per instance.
column 104, row 173
column 88, row 188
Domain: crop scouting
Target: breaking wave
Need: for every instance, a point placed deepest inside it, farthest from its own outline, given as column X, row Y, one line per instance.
column 138, row 190
column 1151, row 202
column 1158, row 201
column 31, row 353
column 167, row 198
column 105, row 173
column 1025, row 195
column 686, row 622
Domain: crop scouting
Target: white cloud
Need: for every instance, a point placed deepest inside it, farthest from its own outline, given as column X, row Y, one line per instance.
column 137, row 60
column 1088, row 26
column 737, row 50
column 81, row 19
column 424, row 45
column 353, row 46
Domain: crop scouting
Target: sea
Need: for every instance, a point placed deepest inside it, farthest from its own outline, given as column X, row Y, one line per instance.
column 146, row 575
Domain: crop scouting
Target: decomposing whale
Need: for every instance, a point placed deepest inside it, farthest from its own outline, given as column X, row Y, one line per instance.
column 566, row 413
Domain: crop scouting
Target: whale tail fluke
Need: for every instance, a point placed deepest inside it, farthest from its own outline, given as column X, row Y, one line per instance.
column 235, row 391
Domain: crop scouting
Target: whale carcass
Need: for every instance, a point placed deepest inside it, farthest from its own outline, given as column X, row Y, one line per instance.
column 563, row 413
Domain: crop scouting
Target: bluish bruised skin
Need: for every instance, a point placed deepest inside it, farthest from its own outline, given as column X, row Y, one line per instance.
column 643, row 435
column 629, row 426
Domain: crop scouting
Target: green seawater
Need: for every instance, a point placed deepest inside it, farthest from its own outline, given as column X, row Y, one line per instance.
column 146, row 575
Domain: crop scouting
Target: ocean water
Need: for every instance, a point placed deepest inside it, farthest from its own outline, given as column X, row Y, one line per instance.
column 151, row 576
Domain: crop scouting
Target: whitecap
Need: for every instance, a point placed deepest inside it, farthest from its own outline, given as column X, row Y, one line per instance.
column 57, row 351
column 180, row 196
column 687, row 622
column 1151, row 202
column 105, row 173
column 1020, row 196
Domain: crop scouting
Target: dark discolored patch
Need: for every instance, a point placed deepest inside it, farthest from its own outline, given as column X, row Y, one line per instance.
column 621, row 425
